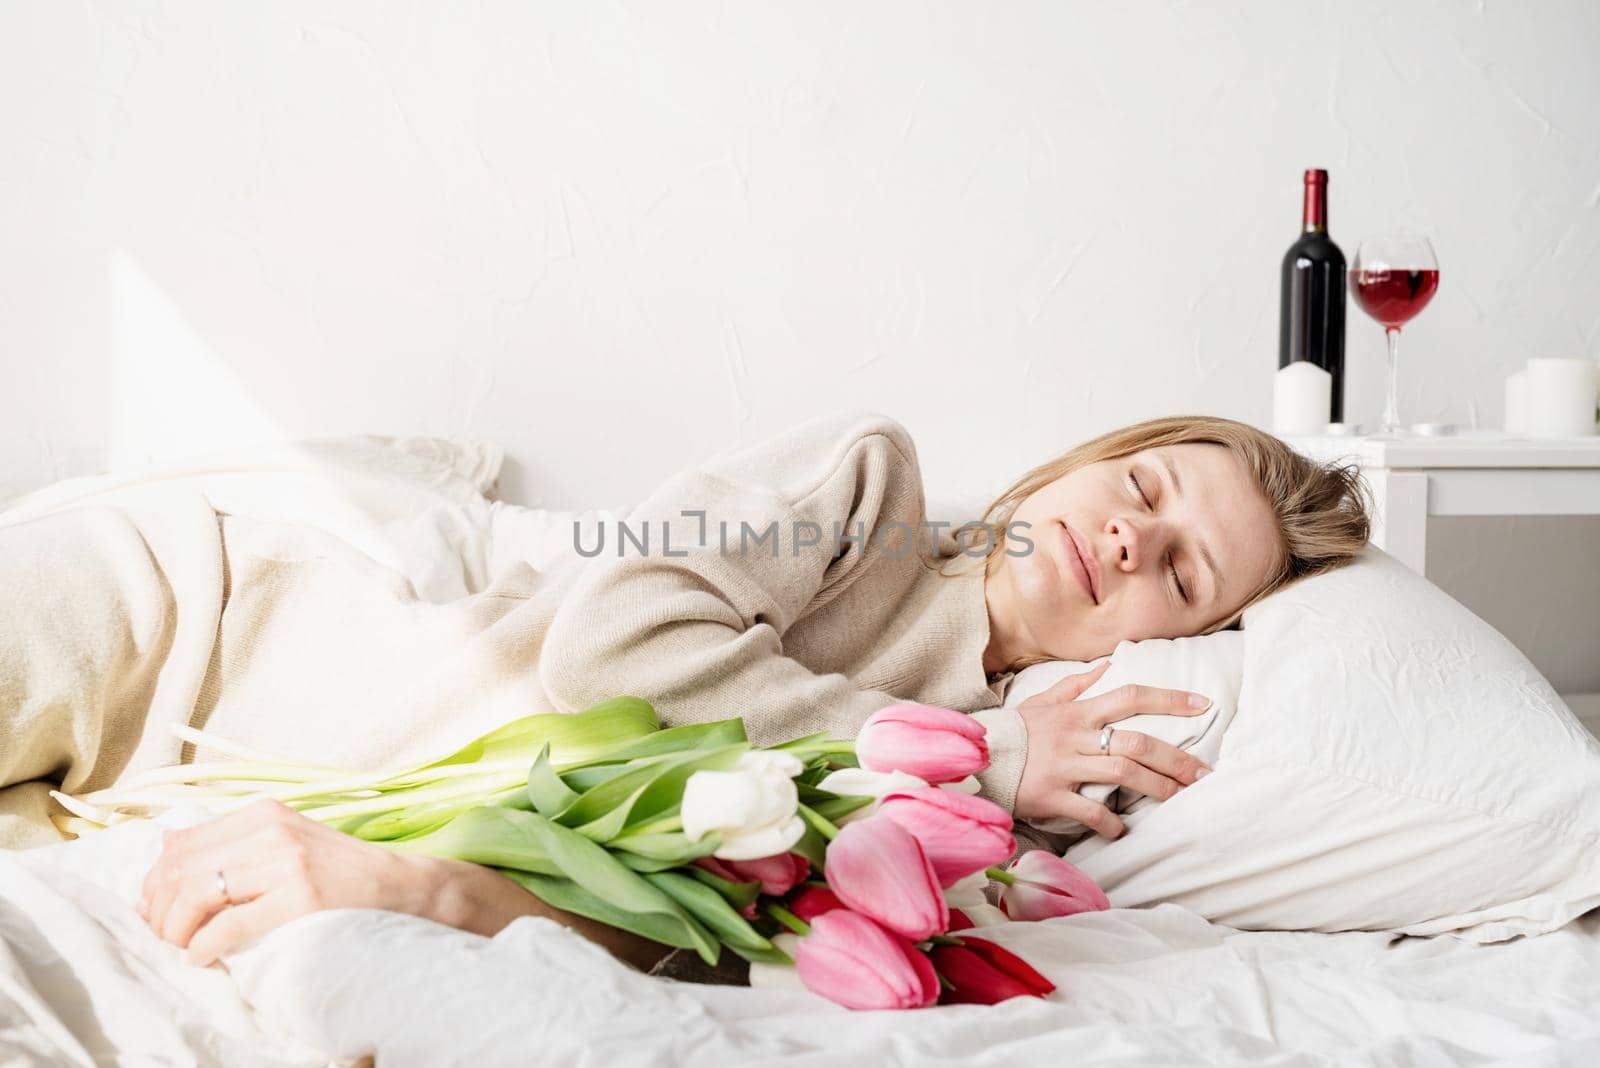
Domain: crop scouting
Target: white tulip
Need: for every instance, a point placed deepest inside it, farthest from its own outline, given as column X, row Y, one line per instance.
column 859, row 782
column 967, row 891
column 969, row 785
column 778, row 976
column 753, row 807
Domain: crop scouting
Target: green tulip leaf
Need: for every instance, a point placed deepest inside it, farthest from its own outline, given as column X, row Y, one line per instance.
column 771, row 955
column 711, row 909
column 635, row 862
column 573, row 737
column 669, row 929
column 502, row 837
column 593, row 868
column 679, row 739
column 675, row 846
column 813, row 845
column 411, row 820
column 549, row 795
column 602, row 813
column 588, row 777
column 833, row 807
column 736, row 894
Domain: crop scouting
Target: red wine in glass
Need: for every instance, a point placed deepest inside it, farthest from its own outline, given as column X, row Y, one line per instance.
column 1393, row 278
column 1393, row 297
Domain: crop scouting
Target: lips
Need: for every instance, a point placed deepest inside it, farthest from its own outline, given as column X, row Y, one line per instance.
column 1081, row 562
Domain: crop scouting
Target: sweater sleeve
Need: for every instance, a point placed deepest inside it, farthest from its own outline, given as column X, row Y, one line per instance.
column 1007, row 737
column 697, row 629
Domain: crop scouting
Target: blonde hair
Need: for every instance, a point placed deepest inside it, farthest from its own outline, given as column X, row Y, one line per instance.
column 1321, row 509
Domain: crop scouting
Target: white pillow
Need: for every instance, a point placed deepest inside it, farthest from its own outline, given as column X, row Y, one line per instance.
column 1212, row 665
column 1394, row 764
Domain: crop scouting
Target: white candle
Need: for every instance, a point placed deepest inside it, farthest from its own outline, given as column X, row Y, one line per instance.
column 1561, row 396
column 1517, row 403
column 1302, row 398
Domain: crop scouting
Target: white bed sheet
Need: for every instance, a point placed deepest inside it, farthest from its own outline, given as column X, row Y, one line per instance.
column 84, row 981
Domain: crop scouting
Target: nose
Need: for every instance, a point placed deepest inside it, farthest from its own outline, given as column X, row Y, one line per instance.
column 1129, row 541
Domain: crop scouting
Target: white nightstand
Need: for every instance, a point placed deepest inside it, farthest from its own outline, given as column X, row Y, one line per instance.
column 1464, row 475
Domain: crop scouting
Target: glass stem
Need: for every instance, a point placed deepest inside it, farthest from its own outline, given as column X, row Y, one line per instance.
column 1391, row 412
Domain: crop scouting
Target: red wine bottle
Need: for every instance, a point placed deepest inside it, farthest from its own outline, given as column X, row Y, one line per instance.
column 1311, row 302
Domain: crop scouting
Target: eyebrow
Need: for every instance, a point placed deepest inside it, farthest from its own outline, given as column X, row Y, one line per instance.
column 1205, row 550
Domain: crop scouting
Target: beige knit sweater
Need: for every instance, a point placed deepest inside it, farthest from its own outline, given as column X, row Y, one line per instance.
column 794, row 637
column 123, row 620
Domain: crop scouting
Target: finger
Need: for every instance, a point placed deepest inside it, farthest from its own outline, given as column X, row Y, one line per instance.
column 161, row 882
column 1070, row 687
column 1158, row 756
column 177, row 844
column 1134, row 700
column 196, row 897
column 1125, row 771
column 233, row 928
column 180, row 842
column 1092, row 814
column 186, row 891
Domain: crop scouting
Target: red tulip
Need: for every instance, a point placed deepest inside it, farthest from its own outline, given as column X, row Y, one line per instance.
column 983, row 973
column 1048, row 886
column 777, row 874
column 932, row 743
column 850, row 960
column 960, row 833
column 813, row 901
column 877, row 868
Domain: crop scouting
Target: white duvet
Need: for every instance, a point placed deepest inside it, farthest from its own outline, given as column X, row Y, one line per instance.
column 84, row 981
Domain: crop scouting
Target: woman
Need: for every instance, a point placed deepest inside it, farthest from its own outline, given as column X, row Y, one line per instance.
column 797, row 583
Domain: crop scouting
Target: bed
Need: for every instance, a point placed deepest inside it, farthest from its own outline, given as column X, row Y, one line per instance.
column 86, row 981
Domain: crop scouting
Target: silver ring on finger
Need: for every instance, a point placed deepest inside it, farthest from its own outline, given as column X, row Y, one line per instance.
column 1105, row 740
column 222, row 888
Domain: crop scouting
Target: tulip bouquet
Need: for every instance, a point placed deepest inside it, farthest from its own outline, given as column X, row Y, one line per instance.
column 842, row 866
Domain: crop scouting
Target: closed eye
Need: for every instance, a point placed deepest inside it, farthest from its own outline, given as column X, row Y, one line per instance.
column 1176, row 581
column 1133, row 480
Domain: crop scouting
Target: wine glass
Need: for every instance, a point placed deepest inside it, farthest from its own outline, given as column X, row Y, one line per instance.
column 1393, row 278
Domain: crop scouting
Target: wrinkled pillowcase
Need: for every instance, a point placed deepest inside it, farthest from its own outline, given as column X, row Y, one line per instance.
column 1212, row 665
column 1391, row 763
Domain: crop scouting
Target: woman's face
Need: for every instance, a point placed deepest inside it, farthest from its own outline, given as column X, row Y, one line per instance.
column 1160, row 544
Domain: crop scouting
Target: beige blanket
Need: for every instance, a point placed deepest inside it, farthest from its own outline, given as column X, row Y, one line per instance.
column 121, row 619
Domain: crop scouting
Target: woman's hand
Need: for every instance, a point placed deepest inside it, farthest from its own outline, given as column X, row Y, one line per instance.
column 278, row 866
column 1064, row 749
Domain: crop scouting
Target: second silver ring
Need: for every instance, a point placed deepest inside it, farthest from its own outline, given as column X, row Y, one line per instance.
column 1105, row 740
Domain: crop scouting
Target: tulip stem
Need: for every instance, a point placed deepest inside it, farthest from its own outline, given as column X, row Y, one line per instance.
column 819, row 821
column 1000, row 875
column 788, row 919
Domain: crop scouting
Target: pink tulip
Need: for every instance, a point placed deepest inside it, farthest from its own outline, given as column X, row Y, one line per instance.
column 853, row 962
column 935, row 744
column 877, row 868
column 777, row 874
column 1048, row 886
column 960, row 833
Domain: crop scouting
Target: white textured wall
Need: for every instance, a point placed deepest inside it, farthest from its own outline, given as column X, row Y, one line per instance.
column 617, row 236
